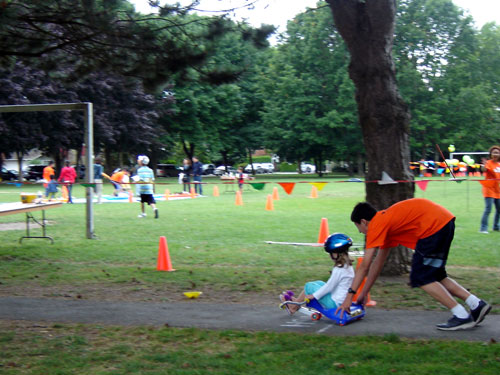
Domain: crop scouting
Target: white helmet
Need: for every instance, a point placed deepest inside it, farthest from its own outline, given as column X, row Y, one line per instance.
column 143, row 159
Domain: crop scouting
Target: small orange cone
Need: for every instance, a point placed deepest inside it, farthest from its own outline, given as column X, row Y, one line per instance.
column 269, row 203
column 276, row 197
column 216, row 191
column 130, row 197
column 314, row 192
column 164, row 263
column 64, row 193
column 239, row 199
column 167, row 193
column 192, row 192
column 324, row 232
column 369, row 301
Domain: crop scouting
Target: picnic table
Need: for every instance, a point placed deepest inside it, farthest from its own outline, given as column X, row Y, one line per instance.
column 28, row 209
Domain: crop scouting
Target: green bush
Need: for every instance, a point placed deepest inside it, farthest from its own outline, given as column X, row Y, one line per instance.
column 261, row 159
column 288, row 167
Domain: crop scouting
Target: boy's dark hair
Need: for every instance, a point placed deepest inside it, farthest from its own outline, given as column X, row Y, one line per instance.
column 362, row 210
column 52, row 176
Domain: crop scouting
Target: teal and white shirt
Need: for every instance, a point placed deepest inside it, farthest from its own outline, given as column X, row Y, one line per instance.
column 145, row 175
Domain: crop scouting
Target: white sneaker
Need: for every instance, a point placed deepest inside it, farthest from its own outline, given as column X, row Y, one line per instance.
column 484, row 232
column 141, row 215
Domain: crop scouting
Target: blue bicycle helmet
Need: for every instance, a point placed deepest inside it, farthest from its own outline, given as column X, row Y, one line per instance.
column 338, row 243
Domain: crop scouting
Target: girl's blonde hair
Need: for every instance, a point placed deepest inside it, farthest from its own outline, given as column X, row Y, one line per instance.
column 342, row 260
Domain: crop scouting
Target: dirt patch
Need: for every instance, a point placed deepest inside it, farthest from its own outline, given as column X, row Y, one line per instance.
column 130, row 292
column 19, row 226
column 12, row 226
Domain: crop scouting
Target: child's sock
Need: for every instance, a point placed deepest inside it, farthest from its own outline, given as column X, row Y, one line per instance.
column 472, row 301
column 459, row 311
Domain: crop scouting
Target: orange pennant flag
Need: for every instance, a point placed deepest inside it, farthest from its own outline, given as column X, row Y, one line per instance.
column 287, row 186
column 422, row 184
column 319, row 185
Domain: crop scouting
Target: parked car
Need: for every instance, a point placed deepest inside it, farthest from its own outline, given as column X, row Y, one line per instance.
column 208, row 168
column 221, row 170
column 260, row 168
column 35, row 172
column 307, row 168
column 7, row 175
column 167, row 170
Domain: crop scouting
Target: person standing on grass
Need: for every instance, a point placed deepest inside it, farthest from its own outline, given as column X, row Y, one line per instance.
column 428, row 228
column 197, row 171
column 51, row 190
column 98, row 173
column 145, row 174
column 67, row 178
column 491, row 189
column 47, row 172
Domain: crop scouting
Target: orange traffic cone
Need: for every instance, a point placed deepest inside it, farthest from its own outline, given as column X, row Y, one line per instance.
column 269, row 203
column 276, row 197
column 314, row 192
column 215, row 191
column 64, row 193
column 167, row 193
column 369, row 301
column 324, row 232
column 130, row 197
column 192, row 192
column 164, row 263
column 239, row 199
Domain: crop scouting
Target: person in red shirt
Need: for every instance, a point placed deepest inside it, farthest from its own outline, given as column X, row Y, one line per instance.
column 491, row 189
column 67, row 178
column 428, row 228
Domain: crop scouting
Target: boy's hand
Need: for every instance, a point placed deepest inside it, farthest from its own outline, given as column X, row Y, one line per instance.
column 361, row 299
column 346, row 305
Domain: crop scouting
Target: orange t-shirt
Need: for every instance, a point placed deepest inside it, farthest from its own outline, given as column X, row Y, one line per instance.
column 118, row 176
column 491, row 189
column 406, row 222
column 47, row 172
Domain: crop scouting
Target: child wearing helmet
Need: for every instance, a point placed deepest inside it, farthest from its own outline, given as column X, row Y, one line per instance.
column 332, row 293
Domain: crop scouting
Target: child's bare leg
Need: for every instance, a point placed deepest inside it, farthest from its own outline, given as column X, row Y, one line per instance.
column 300, row 298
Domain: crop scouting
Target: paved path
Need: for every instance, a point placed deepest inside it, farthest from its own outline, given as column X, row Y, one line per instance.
column 412, row 324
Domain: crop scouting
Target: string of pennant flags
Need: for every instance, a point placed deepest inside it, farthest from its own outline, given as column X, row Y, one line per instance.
column 289, row 186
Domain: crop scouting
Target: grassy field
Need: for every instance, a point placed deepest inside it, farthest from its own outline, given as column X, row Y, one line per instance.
column 219, row 248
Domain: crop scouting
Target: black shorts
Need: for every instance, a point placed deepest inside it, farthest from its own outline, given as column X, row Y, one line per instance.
column 429, row 260
column 148, row 198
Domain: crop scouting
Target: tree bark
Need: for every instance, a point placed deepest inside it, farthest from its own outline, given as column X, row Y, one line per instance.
column 367, row 27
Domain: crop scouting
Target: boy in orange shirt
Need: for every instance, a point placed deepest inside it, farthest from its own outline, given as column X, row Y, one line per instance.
column 117, row 180
column 491, row 189
column 428, row 228
column 47, row 172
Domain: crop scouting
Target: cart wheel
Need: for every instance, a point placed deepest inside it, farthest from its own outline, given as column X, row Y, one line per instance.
column 316, row 316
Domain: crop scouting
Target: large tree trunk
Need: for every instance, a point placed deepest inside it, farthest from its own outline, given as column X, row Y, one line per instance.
column 367, row 27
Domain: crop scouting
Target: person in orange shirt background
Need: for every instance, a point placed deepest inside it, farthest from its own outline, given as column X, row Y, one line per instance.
column 117, row 180
column 491, row 189
column 428, row 228
column 47, row 172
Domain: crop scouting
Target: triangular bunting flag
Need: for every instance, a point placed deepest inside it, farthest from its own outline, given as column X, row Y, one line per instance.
column 89, row 185
column 258, row 186
column 319, row 185
column 386, row 179
column 422, row 184
column 287, row 186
